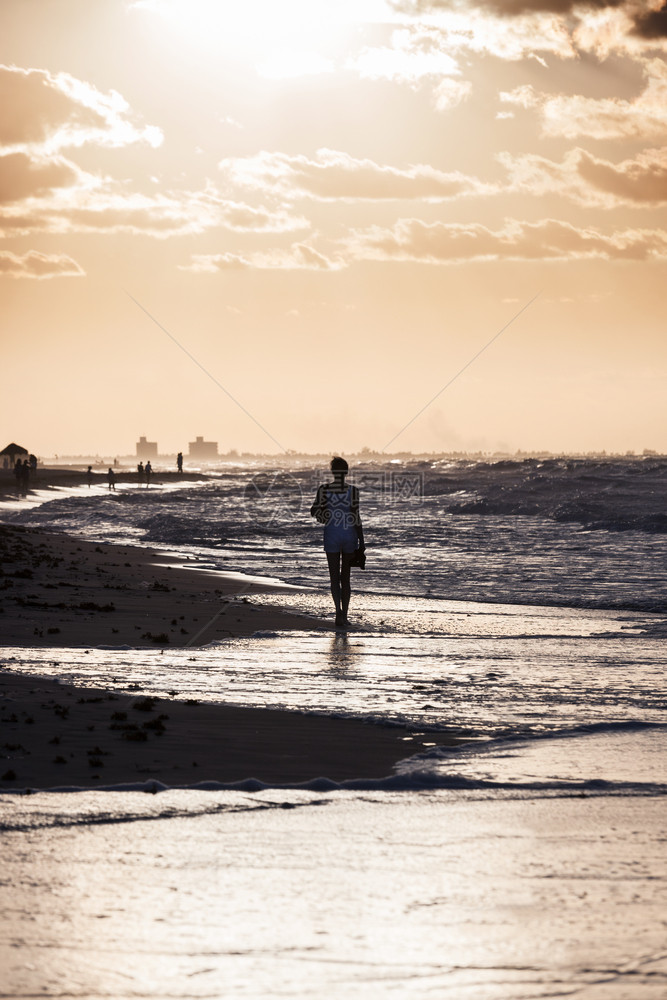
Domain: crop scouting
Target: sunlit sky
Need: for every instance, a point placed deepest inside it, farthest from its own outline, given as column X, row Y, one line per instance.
column 288, row 224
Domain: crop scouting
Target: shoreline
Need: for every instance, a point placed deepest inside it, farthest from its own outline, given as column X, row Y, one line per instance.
column 58, row 736
column 68, row 476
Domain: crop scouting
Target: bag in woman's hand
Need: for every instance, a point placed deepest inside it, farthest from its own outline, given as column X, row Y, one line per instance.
column 359, row 558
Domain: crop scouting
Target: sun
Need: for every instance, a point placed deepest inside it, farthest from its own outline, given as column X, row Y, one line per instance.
column 279, row 38
column 260, row 29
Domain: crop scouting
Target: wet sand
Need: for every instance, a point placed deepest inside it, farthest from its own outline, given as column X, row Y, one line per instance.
column 297, row 895
column 61, row 591
column 55, row 735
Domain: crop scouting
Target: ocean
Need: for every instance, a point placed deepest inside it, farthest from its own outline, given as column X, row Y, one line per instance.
column 519, row 604
column 577, row 533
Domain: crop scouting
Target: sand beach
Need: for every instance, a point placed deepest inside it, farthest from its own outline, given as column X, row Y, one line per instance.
column 59, row 591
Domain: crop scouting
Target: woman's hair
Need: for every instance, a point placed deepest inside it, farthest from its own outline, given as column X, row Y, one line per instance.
column 339, row 465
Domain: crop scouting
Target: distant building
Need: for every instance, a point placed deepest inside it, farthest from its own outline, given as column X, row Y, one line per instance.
column 203, row 449
column 146, row 449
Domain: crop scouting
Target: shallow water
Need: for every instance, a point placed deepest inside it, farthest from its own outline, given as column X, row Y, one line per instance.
column 482, row 670
column 604, row 759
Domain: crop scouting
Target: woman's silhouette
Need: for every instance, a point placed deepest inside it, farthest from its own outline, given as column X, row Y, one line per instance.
column 337, row 508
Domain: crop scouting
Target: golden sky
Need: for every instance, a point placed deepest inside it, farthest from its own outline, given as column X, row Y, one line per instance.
column 329, row 207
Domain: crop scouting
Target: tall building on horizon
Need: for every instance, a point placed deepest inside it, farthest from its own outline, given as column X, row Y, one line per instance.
column 202, row 449
column 146, row 449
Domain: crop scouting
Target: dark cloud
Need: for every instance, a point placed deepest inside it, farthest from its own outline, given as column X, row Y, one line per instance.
column 652, row 25
column 509, row 8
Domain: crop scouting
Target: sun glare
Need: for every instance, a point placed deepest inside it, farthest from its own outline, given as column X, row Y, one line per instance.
column 259, row 27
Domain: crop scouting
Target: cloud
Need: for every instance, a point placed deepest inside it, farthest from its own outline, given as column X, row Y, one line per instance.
column 417, row 242
column 38, row 265
column 549, row 239
column 513, row 8
column 590, row 180
column 412, row 56
column 40, row 190
column 456, row 28
column 22, row 176
column 642, row 180
column 517, row 8
column 45, row 112
column 298, row 257
column 243, row 218
column 569, row 116
column 651, row 24
column 332, row 175
column 97, row 205
column 518, row 29
column 450, row 93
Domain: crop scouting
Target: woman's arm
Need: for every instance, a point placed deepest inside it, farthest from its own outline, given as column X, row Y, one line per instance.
column 357, row 517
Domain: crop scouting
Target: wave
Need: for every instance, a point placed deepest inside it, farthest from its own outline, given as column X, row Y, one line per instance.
column 435, row 770
column 609, row 496
column 417, row 781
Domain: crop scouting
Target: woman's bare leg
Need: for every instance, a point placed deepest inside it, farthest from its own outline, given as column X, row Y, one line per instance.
column 333, row 558
column 345, row 586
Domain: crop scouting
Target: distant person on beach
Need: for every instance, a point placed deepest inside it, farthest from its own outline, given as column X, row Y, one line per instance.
column 147, row 472
column 89, row 475
column 140, row 472
column 33, row 463
column 111, row 476
column 179, row 462
column 25, row 476
column 337, row 508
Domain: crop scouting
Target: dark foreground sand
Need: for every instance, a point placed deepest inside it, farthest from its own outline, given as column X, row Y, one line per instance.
column 56, row 735
column 59, row 591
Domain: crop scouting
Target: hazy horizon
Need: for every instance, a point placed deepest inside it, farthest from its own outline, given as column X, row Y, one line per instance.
column 357, row 457
column 291, row 224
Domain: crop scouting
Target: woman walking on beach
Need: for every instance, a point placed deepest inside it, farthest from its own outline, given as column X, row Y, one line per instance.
column 337, row 508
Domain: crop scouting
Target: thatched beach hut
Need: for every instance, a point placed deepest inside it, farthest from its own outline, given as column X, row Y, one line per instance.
column 11, row 453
